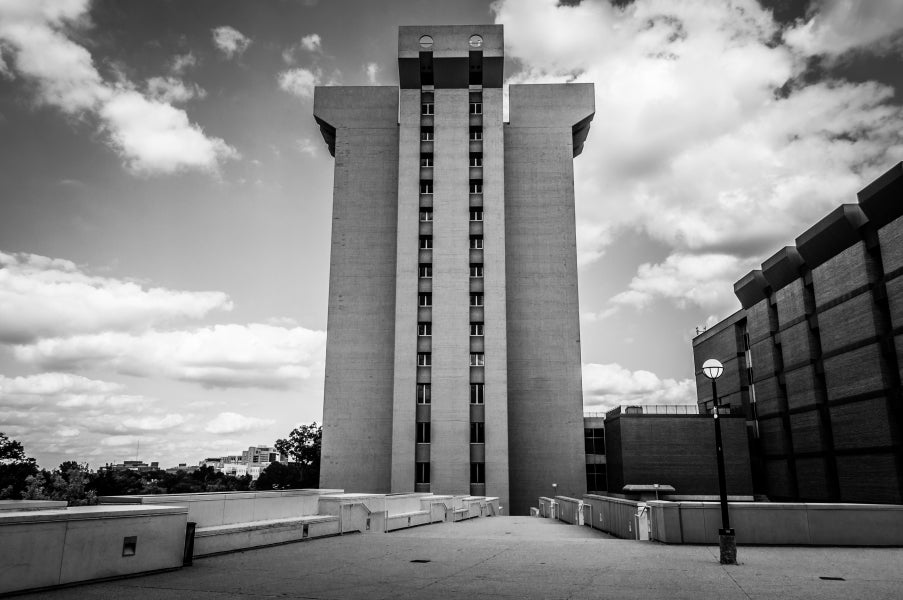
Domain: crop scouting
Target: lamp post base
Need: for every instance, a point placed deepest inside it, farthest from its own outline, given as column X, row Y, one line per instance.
column 728, row 544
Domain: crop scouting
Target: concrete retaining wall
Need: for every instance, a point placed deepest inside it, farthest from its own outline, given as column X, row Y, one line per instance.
column 58, row 546
column 774, row 523
column 614, row 515
column 569, row 510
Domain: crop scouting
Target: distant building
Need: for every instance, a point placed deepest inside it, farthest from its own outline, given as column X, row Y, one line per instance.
column 675, row 445
column 453, row 355
column 813, row 359
column 132, row 465
column 250, row 462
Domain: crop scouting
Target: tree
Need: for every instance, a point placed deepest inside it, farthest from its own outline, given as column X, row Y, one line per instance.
column 303, row 446
column 15, row 468
column 278, row 476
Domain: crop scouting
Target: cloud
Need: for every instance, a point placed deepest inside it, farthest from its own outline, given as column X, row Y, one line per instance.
column 299, row 81
column 307, row 146
column 311, row 42
column 153, row 423
column 182, row 62
column 229, row 422
column 230, row 41
column 253, row 355
column 53, row 384
column 42, row 297
column 610, row 385
column 372, row 70
column 155, row 137
column 706, row 130
column 838, row 26
column 150, row 135
column 698, row 279
column 172, row 90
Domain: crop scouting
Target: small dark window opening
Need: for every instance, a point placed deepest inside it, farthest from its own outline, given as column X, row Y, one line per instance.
column 129, row 545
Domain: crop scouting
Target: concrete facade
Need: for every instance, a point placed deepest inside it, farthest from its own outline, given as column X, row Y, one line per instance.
column 819, row 331
column 453, row 353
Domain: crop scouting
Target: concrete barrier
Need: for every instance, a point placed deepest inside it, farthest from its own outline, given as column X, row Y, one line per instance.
column 58, row 546
column 228, row 521
column 570, row 510
column 779, row 523
column 616, row 516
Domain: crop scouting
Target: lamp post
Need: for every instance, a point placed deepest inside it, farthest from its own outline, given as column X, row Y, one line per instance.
column 727, row 541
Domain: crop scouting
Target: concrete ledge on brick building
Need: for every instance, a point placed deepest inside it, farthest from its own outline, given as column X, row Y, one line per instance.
column 777, row 523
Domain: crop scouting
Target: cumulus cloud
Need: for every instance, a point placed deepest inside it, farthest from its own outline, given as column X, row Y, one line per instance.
column 311, row 42
column 172, row 90
column 606, row 386
column 838, row 26
column 230, row 41
column 254, row 355
column 155, row 137
column 230, row 422
column 299, row 81
column 182, row 63
column 372, row 70
column 150, row 135
column 698, row 279
column 42, row 297
column 705, row 130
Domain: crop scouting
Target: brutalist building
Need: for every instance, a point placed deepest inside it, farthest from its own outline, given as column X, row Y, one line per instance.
column 453, row 353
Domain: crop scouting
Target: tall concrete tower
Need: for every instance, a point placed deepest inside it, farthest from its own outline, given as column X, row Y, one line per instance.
column 453, row 352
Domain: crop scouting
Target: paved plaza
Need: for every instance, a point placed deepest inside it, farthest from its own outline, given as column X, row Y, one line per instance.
column 513, row 557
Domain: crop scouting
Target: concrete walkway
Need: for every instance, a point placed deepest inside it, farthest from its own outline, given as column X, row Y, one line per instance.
column 513, row 557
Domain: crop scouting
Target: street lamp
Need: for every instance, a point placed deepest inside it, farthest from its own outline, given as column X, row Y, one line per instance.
column 727, row 541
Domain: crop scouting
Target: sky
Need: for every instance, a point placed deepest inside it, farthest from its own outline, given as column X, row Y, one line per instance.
column 165, row 195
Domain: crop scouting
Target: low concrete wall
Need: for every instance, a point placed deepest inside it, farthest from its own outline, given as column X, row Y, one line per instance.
column 211, row 509
column 569, row 510
column 614, row 515
column 547, row 507
column 57, row 546
column 777, row 523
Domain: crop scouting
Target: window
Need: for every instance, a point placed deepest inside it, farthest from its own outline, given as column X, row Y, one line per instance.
column 424, row 359
column 423, row 393
column 476, row 160
column 476, row 270
column 423, row 433
column 596, row 478
column 426, row 134
column 476, row 187
column 476, row 134
column 425, row 270
column 426, row 242
column 476, row 299
column 426, row 187
column 477, row 433
column 476, row 242
column 426, row 160
column 426, row 108
column 477, row 359
column 476, row 329
column 421, row 472
column 425, row 299
column 477, row 473
column 594, row 440
column 424, row 328
column 426, row 215
column 476, row 393
column 476, row 108
column 476, row 214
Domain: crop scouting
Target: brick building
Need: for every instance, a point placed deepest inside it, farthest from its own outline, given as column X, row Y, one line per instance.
column 675, row 445
column 453, row 354
column 813, row 358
